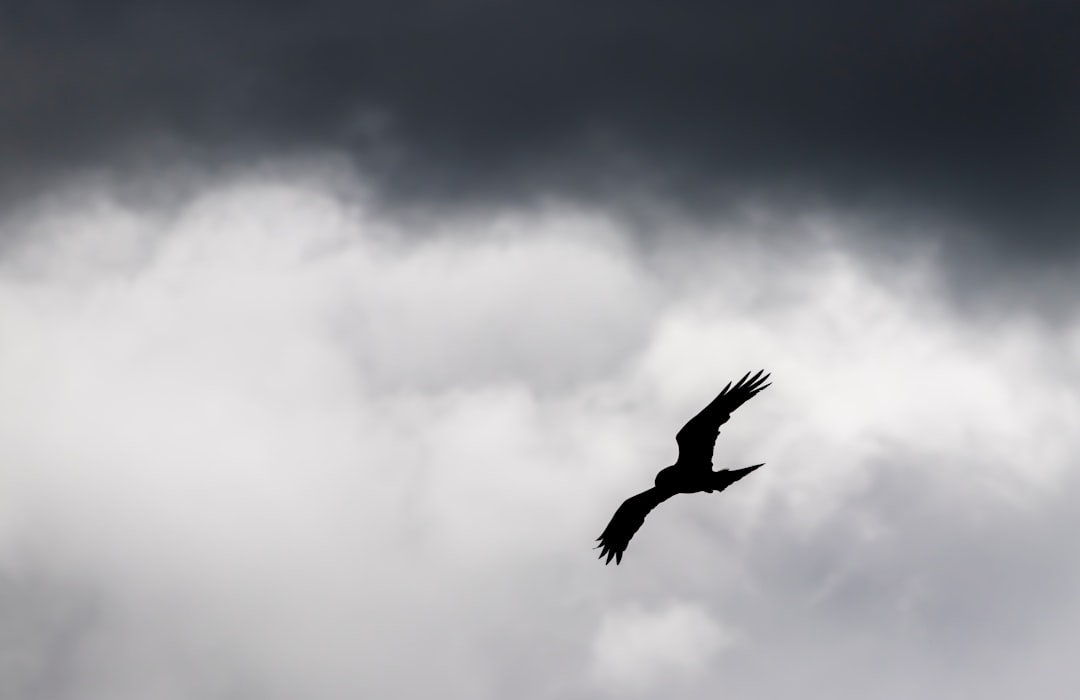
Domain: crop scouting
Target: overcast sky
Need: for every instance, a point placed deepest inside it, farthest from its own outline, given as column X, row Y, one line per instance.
column 332, row 334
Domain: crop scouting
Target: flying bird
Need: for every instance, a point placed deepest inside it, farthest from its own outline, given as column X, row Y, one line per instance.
column 692, row 471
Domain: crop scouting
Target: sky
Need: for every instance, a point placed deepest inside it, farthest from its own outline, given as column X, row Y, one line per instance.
column 332, row 335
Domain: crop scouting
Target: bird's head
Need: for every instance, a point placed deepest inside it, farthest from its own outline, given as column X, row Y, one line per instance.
column 666, row 477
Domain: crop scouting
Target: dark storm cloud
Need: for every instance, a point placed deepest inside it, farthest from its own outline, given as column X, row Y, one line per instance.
column 962, row 110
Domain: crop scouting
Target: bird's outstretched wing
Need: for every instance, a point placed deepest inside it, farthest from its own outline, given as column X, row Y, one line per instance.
column 627, row 520
column 698, row 437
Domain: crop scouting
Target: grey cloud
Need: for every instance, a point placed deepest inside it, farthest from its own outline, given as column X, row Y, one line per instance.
column 958, row 112
column 961, row 590
column 953, row 592
column 44, row 624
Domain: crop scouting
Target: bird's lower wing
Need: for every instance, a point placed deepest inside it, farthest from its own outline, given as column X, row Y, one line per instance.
column 627, row 520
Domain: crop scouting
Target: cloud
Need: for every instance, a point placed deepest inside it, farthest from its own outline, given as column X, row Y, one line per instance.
column 272, row 443
column 635, row 649
column 955, row 117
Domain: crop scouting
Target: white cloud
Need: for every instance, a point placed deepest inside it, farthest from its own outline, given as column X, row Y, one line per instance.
column 287, row 448
column 637, row 650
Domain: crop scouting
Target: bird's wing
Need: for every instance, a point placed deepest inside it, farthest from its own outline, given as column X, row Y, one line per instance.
column 698, row 437
column 627, row 520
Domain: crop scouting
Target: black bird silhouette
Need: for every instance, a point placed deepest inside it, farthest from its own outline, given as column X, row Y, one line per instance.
column 692, row 471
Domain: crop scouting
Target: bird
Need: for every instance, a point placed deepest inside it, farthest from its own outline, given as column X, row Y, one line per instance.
column 692, row 471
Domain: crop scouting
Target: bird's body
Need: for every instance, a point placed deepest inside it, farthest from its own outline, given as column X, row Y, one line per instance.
column 691, row 473
column 679, row 480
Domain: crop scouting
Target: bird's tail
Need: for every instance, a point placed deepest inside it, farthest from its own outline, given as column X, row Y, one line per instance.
column 727, row 477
